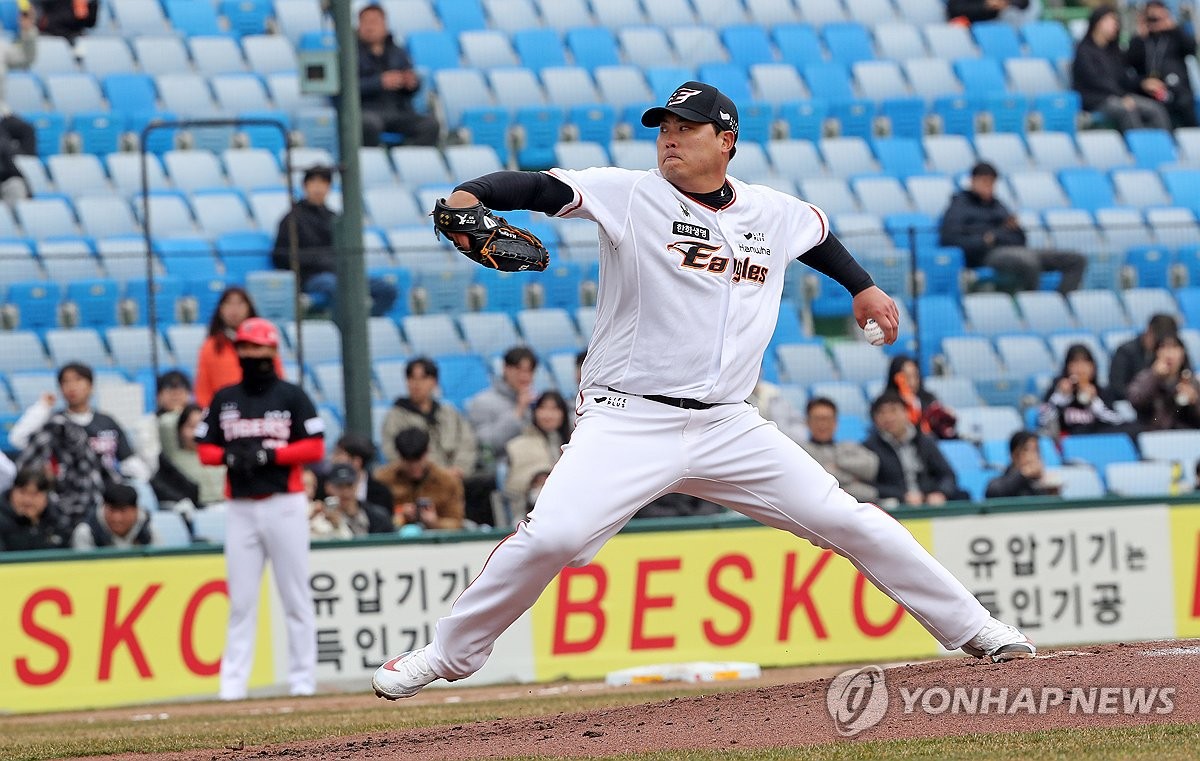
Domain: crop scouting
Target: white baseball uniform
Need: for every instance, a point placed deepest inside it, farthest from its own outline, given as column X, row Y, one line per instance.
column 688, row 300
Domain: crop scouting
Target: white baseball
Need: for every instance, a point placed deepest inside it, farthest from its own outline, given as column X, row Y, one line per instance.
column 874, row 333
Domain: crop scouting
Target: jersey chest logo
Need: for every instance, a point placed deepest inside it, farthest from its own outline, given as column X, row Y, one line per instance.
column 702, row 257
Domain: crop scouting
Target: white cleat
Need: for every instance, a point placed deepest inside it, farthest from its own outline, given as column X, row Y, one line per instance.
column 999, row 642
column 403, row 676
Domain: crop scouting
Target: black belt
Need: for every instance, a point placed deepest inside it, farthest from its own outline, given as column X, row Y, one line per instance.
column 683, row 404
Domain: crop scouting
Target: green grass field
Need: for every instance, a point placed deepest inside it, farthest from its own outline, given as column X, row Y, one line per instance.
column 215, row 726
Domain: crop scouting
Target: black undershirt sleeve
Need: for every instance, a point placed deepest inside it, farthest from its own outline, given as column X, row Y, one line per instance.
column 831, row 258
column 508, row 190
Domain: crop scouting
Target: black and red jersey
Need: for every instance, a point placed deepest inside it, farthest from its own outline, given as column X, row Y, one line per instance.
column 281, row 415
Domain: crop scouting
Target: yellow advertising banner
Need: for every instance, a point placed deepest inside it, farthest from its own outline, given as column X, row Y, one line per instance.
column 1185, row 554
column 93, row 633
column 752, row 594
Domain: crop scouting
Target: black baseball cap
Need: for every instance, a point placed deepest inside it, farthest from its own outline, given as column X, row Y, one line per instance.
column 697, row 102
column 341, row 474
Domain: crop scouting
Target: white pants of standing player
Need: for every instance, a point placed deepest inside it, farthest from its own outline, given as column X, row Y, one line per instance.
column 621, row 458
column 257, row 530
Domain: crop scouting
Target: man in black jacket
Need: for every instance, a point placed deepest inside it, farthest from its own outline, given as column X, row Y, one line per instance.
column 912, row 470
column 314, row 242
column 1015, row 11
column 1158, row 54
column 990, row 236
column 1026, row 475
column 1136, row 354
column 387, row 83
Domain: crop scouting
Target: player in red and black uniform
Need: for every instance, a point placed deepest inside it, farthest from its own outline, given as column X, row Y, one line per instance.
column 264, row 430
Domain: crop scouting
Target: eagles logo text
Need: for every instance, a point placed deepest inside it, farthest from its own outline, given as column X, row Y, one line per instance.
column 700, row 256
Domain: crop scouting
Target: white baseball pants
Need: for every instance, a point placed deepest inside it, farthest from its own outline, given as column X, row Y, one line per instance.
column 620, row 458
column 275, row 528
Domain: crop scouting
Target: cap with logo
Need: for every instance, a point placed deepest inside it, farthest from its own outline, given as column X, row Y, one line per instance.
column 341, row 474
column 697, row 102
column 256, row 330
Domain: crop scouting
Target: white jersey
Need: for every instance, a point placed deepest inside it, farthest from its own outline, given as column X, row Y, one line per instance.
column 689, row 295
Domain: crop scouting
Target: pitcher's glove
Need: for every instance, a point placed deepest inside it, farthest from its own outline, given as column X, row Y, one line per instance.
column 493, row 241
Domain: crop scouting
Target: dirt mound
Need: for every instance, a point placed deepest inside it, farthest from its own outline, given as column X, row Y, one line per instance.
column 1107, row 686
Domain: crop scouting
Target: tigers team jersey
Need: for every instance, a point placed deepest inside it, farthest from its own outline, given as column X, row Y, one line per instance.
column 690, row 291
column 281, row 415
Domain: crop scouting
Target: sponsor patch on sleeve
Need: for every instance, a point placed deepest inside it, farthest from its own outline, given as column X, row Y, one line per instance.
column 314, row 425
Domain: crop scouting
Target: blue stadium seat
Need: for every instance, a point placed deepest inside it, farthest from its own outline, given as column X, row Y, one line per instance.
column 99, row 131
column 489, row 333
column 459, row 15
column 1059, row 111
column 747, row 44
column 805, row 119
column 1087, row 188
column 593, row 47
column 541, row 126
column 1151, row 267
column 168, row 291
column 244, row 252
column 848, row 42
column 539, row 49
column 980, row 76
column 37, row 305
column 445, row 290
column 1151, row 148
column 191, row 18
column 1048, row 39
column 798, row 44
column 96, row 300
column 997, row 39
column 964, row 458
column 461, row 376
column 1098, row 449
column 900, row 156
column 246, row 17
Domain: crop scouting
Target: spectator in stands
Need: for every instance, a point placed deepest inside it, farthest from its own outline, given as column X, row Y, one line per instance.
column 29, row 518
column 313, row 222
column 66, row 18
column 173, row 392
column 1026, row 475
column 387, row 84
column 501, row 412
column 423, row 494
column 358, row 452
column 84, row 449
column 1105, row 83
column 217, row 366
column 452, row 441
column 1158, row 54
column 17, row 136
column 1136, row 354
column 990, row 236
column 1166, row 395
column 1075, row 403
column 180, row 475
column 912, row 470
column 924, row 410
column 537, row 448
column 120, row 523
column 852, row 464
column 344, row 514
column 1017, row 12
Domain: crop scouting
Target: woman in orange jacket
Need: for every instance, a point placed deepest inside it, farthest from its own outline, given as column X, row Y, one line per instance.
column 217, row 365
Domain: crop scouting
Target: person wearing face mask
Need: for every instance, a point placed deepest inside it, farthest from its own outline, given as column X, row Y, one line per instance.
column 1076, row 403
column 1165, row 394
column 264, row 430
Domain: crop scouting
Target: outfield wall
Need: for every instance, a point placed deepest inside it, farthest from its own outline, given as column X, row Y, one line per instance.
column 80, row 631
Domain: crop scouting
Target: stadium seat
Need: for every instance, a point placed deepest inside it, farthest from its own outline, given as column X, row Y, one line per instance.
column 548, row 330
column 1180, row 447
column 246, row 17
column 216, row 54
column 1140, row 479
column 848, row 42
column 488, row 333
column 981, row 423
column 1143, row 303
column 1078, row 481
column 1098, row 449
column 1103, row 149
column 1097, row 310
column 1151, row 148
